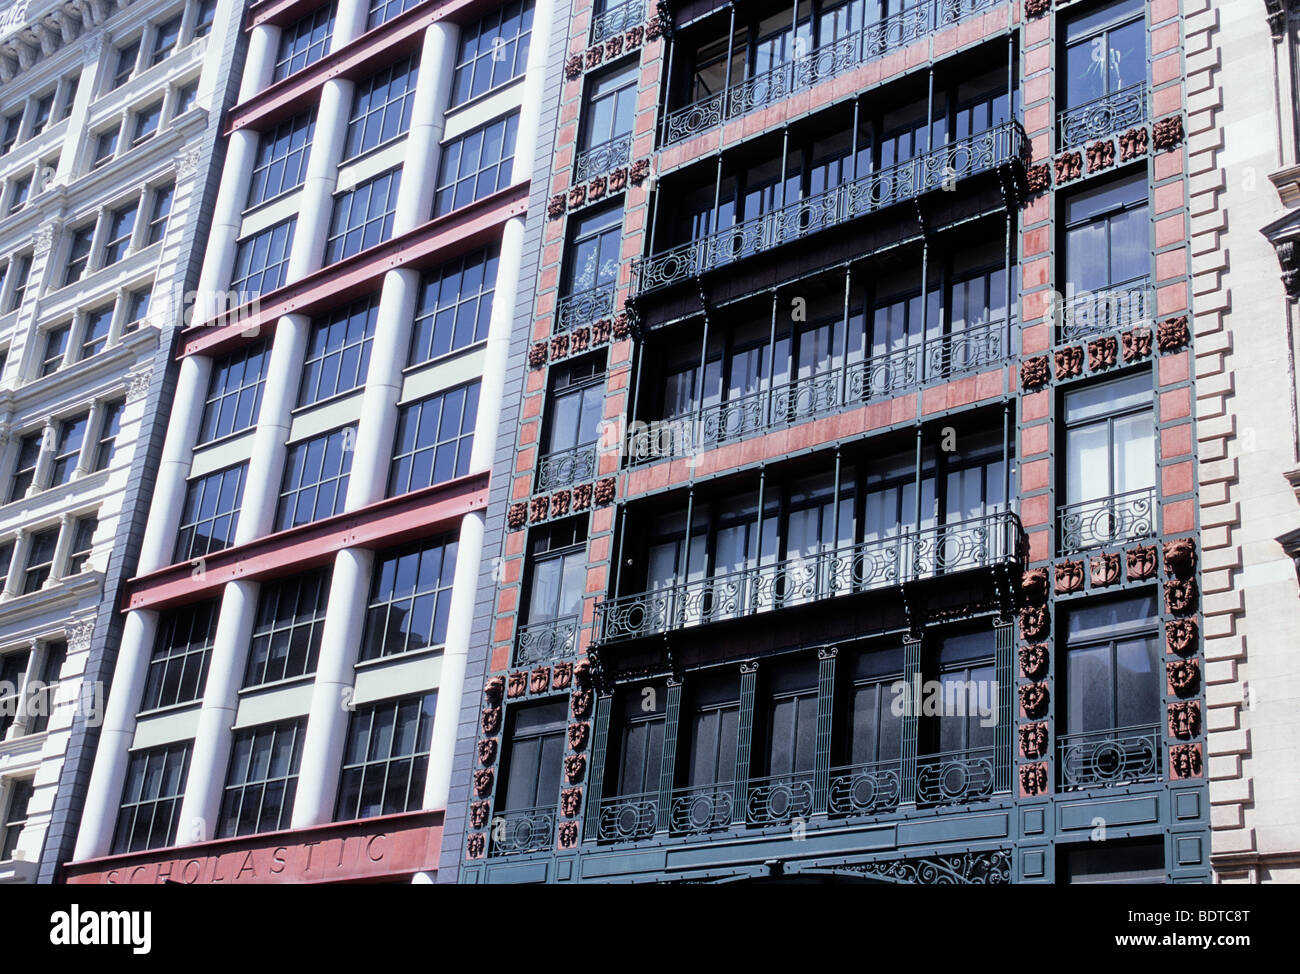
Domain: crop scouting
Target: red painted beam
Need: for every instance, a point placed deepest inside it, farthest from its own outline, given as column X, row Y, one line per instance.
column 428, row 245
column 419, row 514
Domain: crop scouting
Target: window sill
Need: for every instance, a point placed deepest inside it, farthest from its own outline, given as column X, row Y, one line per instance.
column 455, row 353
column 403, row 657
column 479, row 99
column 290, row 681
column 174, row 708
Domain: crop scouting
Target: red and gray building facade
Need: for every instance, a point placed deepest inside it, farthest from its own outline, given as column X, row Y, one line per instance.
column 295, row 634
column 844, row 523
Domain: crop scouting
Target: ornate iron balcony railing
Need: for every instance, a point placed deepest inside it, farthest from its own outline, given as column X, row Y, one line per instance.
column 999, row 146
column 881, row 376
column 979, row 543
column 1111, row 757
column 600, row 159
column 584, row 307
column 566, row 467
column 955, row 777
column 1108, row 521
column 547, row 640
column 779, row 799
column 628, row 818
column 702, row 808
column 1102, row 116
column 615, row 20
column 523, row 830
column 866, row 789
column 1094, row 312
column 823, row 63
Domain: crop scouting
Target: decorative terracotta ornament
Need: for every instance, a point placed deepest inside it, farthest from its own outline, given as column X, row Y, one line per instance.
column 1101, row 155
column 555, row 206
column 1069, row 362
column 1141, row 563
column 568, row 834
column 1102, row 352
column 1033, row 740
column 560, row 503
column 559, row 347
column 1033, row 586
column 582, row 497
column 1033, row 699
column 1033, row 623
column 483, row 782
column 604, row 490
column 539, row 681
column 493, row 689
column 474, row 845
column 563, row 674
column 537, row 355
column 1184, row 719
column 490, row 720
column 1185, row 760
column 1180, row 636
column 1105, row 570
column 518, row 685
column 1136, row 344
column 1069, row 577
column 570, row 802
column 575, row 766
column 1172, row 334
column 582, row 675
column 1180, row 557
column 1039, row 178
column 1069, row 166
column 1035, row 372
column 1033, row 661
column 1167, row 133
column 581, row 702
column 538, row 508
column 1033, row 778
column 1180, row 596
column 578, row 734
column 487, row 751
column 478, row 814
column 1132, row 144
column 1184, row 676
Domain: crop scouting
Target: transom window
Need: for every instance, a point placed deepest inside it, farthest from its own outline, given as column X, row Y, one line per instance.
column 287, row 634
column 210, row 514
column 281, row 163
column 434, row 439
column 410, row 599
column 151, row 798
column 476, row 165
column 381, row 107
column 262, row 779
column 492, row 51
column 304, row 42
column 316, row 478
column 178, row 668
column 338, row 352
column 455, row 305
column 262, row 259
column 386, row 758
column 363, row 217
column 234, row 392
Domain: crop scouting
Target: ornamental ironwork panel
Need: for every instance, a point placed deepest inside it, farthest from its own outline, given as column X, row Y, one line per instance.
column 1103, row 116
column 628, row 818
column 995, row 539
column 1111, row 757
column 780, row 799
column 700, row 809
column 615, row 20
column 566, row 467
column 936, row 169
column 821, row 64
column 1108, row 521
column 600, row 159
column 1095, row 312
column 966, row 868
column 866, row 789
column 955, row 777
column 584, row 307
column 548, row 640
column 523, row 830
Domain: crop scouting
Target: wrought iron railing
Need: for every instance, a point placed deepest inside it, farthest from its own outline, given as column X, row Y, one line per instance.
column 1102, row 116
column 1099, row 758
column 955, row 777
column 584, row 307
column 600, row 159
column 881, row 376
column 615, row 20
column 628, row 818
column 939, row 168
column 779, row 799
column 1094, row 312
column 865, row 789
column 979, row 543
column 523, row 830
column 550, row 639
column 823, row 63
column 1110, row 520
column 564, row 468
column 701, row 808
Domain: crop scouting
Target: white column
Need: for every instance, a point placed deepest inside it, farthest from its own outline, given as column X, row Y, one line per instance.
column 45, row 459
column 530, row 114
column 259, row 63
column 159, row 539
column 90, row 442
column 35, row 659
column 374, row 441
column 58, row 564
column 327, row 722
column 349, row 22
column 428, row 120
column 317, row 206
column 266, row 465
column 211, row 756
column 455, row 654
column 17, row 563
column 87, row 86
column 496, row 354
column 227, row 218
column 107, row 776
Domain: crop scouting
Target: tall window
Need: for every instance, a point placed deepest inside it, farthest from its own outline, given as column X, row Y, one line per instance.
column 434, row 439
column 42, row 111
column 165, row 38
column 476, row 165
column 151, row 798
column 18, row 196
column 386, row 758
column 492, row 51
column 303, row 42
column 178, row 668
column 56, row 349
column 79, row 253
column 1106, row 240
column 29, row 454
column 611, row 109
column 95, row 336
column 316, row 478
column 875, row 732
column 204, row 18
column 287, row 634
column 262, row 779
column 455, row 305
column 410, row 599
column 210, row 513
column 789, row 727
column 558, row 572
column 15, row 818
column 712, row 724
column 105, row 146
column 593, row 252
column 533, row 756
column 127, row 55
column 40, row 559
column 575, row 411
column 83, row 542
column 381, row 107
column 159, row 212
column 639, row 733
column 363, row 216
column 281, row 162
column 121, row 225
column 9, row 126
column 41, row 701
column 109, row 428
column 382, row 11
column 338, row 352
column 965, row 670
column 13, row 670
column 261, row 260
column 1105, row 51
column 67, row 450
column 1114, row 678
column 146, row 124
column 234, row 392
column 15, row 282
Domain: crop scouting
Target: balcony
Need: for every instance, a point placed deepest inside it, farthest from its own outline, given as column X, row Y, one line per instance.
column 823, row 63
column 980, row 543
column 566, row 467
column 1101, row 117
column 937, row 169
column 883, row 376
column 1109, row 521
column 547, row 640
column 1096, row 312
column 584, row 308
column 600, row 159
column 617, row 19
column 523, row 830
column 1127, row 755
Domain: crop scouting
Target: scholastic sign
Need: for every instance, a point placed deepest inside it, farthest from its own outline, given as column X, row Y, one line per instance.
column 391, row 847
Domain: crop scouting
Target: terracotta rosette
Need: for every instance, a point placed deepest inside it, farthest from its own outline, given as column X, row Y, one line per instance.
column 1033, row 779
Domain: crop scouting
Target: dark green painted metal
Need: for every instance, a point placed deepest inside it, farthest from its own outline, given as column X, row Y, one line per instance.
column 825, row 717
column 668, row 760
column 596, row 774
column 744, row 739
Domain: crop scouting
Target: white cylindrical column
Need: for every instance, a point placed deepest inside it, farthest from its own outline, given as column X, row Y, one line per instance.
column 266, row 464
column 259, row 63
column 331, row 701
column 317, row 203
column 108, row 775
column 227, row 218
column 530, row 113
column 455, row 654
column 158, row 544
column 428, row 118
column 368, row 481
column 496, row 354
column 349, row 22
column 202, row 803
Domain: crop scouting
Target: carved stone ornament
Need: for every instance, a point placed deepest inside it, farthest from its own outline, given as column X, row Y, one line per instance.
column 559, row 347
column 1185, row 760
column 539, row 681
column 555, row 206
column 1033, row 778
column 487, row 751
column 568, row 833
column 538, row 508
column 1105, row 570
column 1141, row 563
column 582, row 675
column 478, row 814
column 596, row 188
column 1069, row 362
column 1033, row 740
column 1184, row 676
column 1102, row 352
column 1167, row 133
column 1069, row 577
column 518, row 685
column 137, row 384
column 563, row 674
column 1039, row 178
column 1033, row 661
column 490, row 720
column 1101, row 155
column 575, row 767
column 493, row 689
column 1069, row 166
column 483, row 779
column 570, row 802
column 581, row 703
column 1180, row 596
column 79, row 634
column 582, row 497
column 537, row 355
column 573, row 66
column 474, row 845
column 1033, row 586
column 1033, row 699
column 1172, row 334
column 517, row 515
column 1033, row 623
column 1184, row 719
column 560, row 503
column 1136, row 344
column 604, row 490
column 578, row 735
column 1035, row 373
column 618, row 179
column 577, row 196
column 1180, row 636
column 1132, row 144
column 1180, row 557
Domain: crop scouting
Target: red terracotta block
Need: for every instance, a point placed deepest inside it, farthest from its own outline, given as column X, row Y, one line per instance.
column 1170, row 230
column 903, row 409
column 507, row 600
column 596, row 579
column 1035, row 405
column 602, row 520
column 503, row 630
column 1037, row 272
column 1035, row 474
column 1037, row 59
column 1171, row 299
column 1039, row 545
column 598, row 549
column 638, row 482
column 1038, row 210
column 1037, row 31
column 500, row 658
column 607, row 462
column 1177, row 479
column 536, row 380
column 1033, row 306
column 988, row 385
column 1178, row 517
column 1164, row 39
column 971, row 31
column 1035, row 440
column 1035, row 242
column 965, row 391
column 1168, row 99
column 551, row 252
column 1036, row 510
column 1176, row 441
column 528, row 431
column 945, row 42
column 1169, row 164
column 521, row 488
column 1035, row 338
column 1176, row 404
column 1168, row 197
column 934, row 400
column 1171, row 264
column 877, row 415
column 1036, row 89
column 524, row 460
column 515, row 541
column 1173, row 368
column 1162, row 10
column 1038, row 118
